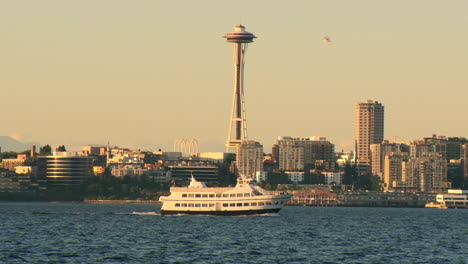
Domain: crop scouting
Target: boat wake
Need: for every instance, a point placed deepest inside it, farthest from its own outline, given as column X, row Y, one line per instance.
column 138, row 213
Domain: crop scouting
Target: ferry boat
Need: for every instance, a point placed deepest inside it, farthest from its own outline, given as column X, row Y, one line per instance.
column 246, row 198
column 452, row 199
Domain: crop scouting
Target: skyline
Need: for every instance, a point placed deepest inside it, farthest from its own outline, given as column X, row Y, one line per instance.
column 144, row 74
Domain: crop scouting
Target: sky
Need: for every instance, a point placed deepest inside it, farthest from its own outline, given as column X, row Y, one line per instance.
column 142, row 74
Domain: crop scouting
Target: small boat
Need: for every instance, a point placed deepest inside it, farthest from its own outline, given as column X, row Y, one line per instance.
column 436, row 205
column 246, row 198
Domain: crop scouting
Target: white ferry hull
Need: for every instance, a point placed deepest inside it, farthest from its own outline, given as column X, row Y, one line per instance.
column 221, row 213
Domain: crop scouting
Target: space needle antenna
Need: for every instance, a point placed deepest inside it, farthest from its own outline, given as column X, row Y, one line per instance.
column 239, row 39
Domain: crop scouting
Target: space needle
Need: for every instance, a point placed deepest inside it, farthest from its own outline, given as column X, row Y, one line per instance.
column 240, row 39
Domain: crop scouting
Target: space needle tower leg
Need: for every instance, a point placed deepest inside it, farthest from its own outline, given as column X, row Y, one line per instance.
column 238, row 124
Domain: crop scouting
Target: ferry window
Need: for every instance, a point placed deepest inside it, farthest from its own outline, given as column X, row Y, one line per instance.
column 276, row 202
column 268, row 203
column 191, row 195
column 246, row 204
column 218, row 195
column 261, row 203
column 233, row 195
column 184, row 205
column 225, row 195
column 190, row 205
column 239, row 204
column 211, row 195
column 246, row 194
column 184, row 195
column 239, row 195
column 232, row 204
column 204, row 205
column 225, row 205
column 205, row 195
column 198, row 195
column 211, row 205
column 253, row 204
column 241, row 182
column 177, row 205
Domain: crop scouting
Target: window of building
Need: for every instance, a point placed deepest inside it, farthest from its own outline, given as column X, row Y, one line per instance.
column 191, row 195
column 232, row 204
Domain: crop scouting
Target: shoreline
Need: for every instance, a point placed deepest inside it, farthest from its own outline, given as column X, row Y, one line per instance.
column 121, row 202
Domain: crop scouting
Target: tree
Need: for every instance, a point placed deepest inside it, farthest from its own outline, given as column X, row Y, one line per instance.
column 45, row 150
column 61, row 148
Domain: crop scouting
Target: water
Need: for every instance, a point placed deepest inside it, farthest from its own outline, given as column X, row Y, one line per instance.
column 129, row 233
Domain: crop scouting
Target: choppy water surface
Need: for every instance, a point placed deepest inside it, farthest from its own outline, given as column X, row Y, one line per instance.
column 128, row 233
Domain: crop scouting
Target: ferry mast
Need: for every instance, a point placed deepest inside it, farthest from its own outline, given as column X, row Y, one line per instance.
column 240, row 39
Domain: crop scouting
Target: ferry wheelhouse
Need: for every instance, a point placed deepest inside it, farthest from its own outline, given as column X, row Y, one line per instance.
column 246, row 198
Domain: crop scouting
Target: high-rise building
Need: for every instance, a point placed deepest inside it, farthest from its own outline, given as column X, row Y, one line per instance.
column 378, row 153
column 426, row 173
column 299, row 153
column 249, row 158
column 240, row 39
column 369, row 130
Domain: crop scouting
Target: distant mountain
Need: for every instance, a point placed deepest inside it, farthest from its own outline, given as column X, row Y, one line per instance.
column 9, row 144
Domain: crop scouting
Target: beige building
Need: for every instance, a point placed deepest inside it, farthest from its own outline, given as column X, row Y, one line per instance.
column 369, row 129
column 290, row 156
column 426, row 173
column 378, row 154
column 249, row 158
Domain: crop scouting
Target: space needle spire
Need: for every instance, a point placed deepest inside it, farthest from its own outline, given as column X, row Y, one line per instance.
column 240, row 39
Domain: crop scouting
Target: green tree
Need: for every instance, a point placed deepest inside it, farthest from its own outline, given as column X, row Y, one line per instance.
column 45, row 150
column 61, row 148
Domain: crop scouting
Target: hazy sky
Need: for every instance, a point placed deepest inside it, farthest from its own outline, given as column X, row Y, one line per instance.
column 142, row 74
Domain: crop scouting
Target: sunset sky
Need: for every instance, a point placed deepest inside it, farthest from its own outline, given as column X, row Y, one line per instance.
column 142, row 74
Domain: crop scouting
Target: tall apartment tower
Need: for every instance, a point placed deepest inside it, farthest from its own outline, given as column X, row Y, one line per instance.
column 249, row 158
column 239, row 39
column 369, row 130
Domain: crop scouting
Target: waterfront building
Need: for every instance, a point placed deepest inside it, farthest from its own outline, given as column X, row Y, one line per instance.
column 314, row 197
column 239, row 39
column 64, row 168
column 369, row 130
column 249, row 158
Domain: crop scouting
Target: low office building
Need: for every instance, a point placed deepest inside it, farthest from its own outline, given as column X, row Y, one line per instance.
column 64, row 168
